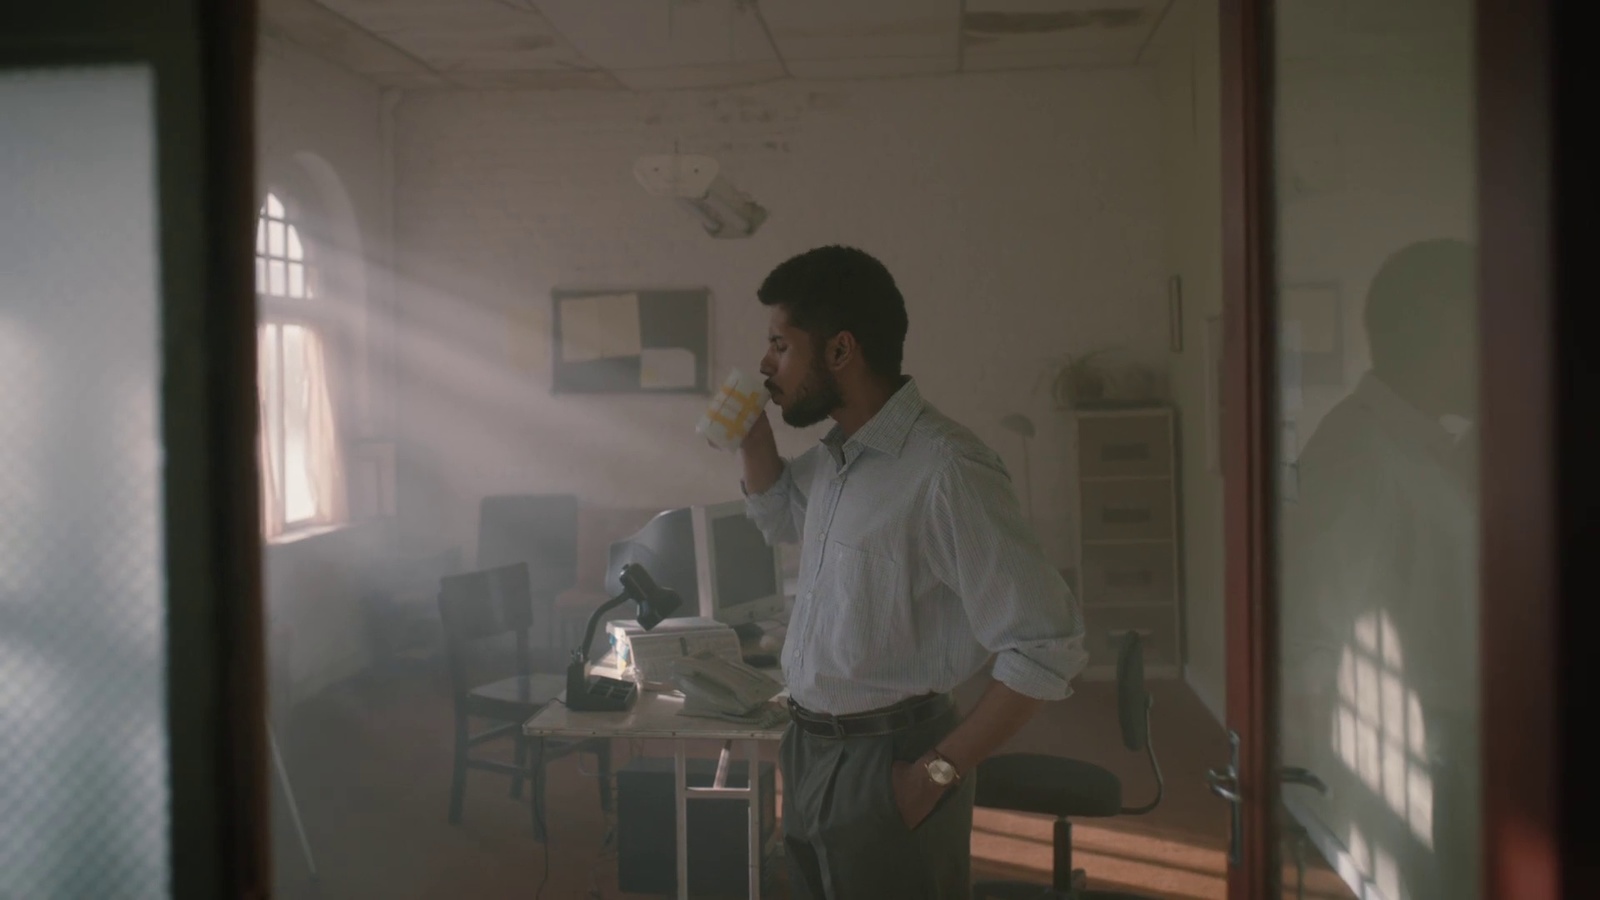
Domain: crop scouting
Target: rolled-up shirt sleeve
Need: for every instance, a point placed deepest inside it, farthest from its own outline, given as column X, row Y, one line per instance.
column 780, row 510
column 1019, row 606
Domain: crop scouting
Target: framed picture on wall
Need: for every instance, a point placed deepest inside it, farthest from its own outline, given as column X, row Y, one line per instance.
column 1314, row 313
column 631, row 340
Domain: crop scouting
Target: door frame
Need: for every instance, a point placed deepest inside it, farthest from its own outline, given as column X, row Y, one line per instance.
column 201, row 55
column 1532, row 545
column 1534, row 467
column 1249, row 608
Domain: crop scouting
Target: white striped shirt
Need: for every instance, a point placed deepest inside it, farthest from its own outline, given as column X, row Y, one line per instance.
column 916, row 564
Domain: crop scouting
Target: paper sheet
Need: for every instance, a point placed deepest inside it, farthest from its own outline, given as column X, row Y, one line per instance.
column 665, row 368
column 580, row 330
column 599, row 327
column 619, row 324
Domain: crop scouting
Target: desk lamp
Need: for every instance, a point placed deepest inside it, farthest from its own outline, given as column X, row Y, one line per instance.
column 600, row 694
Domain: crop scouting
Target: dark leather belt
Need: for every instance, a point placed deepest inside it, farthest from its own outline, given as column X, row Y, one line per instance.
column 872, row 723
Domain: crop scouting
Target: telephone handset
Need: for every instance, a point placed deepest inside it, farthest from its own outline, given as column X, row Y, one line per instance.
column 713, row 684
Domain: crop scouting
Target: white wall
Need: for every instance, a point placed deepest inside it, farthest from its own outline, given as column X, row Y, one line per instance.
column 1021, row 215
column 319, row 131
column 1190, row 79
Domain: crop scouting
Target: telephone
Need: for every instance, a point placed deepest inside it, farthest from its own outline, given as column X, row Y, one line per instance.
column 716, row 686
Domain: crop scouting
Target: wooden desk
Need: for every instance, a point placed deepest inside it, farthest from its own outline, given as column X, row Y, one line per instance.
column 655, row 715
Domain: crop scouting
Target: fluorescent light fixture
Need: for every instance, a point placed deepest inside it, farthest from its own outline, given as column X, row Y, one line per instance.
column 695, row 182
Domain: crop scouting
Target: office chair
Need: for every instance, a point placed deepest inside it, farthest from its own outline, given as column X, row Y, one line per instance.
column 476, row 608
column 1061, row 787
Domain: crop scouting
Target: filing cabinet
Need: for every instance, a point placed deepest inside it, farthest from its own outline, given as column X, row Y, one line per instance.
column 1129, row 536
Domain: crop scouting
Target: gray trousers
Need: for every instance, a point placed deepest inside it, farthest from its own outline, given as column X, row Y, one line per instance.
column 843, row 833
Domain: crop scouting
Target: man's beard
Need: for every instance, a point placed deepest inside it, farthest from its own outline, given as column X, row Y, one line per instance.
column 817, row 397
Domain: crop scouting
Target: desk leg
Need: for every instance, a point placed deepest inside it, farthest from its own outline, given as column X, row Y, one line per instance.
column 721, row 779
column 753, row 748
column 680, row 792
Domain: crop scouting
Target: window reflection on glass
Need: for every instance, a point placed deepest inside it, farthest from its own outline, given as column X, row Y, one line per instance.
column 1376, row 300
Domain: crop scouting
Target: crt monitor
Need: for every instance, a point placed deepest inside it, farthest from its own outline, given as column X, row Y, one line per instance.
column 665, row 546
column 740, row 577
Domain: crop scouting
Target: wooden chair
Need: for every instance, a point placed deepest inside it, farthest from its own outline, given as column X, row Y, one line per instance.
column 542, row 531
column 478, row 610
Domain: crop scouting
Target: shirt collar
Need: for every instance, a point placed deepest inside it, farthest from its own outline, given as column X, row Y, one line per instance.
column 886, row 431
column 1397, row 416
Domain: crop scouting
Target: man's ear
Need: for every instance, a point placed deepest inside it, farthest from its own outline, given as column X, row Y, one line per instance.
column 841, row 348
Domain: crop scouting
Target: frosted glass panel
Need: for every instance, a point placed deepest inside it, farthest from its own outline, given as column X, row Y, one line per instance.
column 1377, row 306
column 84, row 783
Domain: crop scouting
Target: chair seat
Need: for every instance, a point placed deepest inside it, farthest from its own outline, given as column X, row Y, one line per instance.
column 514, row 699
column 1052, row 785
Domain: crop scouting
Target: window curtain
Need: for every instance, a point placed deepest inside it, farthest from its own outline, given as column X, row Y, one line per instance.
column 267, row 458
column 326, row 453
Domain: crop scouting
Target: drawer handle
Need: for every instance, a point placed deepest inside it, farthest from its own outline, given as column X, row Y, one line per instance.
column 1124, row 452
column 1130, row 578
column 1126, row 515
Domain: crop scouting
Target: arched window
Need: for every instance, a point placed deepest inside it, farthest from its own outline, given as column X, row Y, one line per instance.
column 302, row 471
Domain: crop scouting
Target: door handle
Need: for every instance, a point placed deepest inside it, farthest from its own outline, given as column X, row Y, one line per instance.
column 1225, row 784
column 1299, row 775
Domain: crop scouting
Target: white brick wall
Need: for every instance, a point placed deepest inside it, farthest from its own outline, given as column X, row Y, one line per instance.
column 1021, row 214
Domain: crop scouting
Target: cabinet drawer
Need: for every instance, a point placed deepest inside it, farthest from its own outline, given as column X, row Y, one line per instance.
column 1128, row 573
column 1127, row 510
column 1114, row 446
column 1107, row 628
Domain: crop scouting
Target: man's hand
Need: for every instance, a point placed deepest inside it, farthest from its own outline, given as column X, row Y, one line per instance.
column 760, row 440
column 759, row 450
column 915, row 794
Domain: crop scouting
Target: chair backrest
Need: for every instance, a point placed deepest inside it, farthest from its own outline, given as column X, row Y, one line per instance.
column 476, row 606
column 1133, row 701
column 538, row 529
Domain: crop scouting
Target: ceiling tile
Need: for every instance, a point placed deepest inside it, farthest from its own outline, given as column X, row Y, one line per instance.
column 465, row 35
column 653, row 35
column 873, row 68
column 807, row 30
column 672, row 78
column 1074, row 59
column 998, row 27
column 336, row 39
column 1027, row 34
column 536, row 80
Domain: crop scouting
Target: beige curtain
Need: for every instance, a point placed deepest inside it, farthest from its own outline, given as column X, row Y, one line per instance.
column 266, row 455
column 326, row 465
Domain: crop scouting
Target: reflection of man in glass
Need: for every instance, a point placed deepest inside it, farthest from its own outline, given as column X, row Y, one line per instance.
column 1380, row 588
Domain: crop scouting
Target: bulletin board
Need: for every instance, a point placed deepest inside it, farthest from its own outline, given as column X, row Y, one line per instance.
column 609, row 341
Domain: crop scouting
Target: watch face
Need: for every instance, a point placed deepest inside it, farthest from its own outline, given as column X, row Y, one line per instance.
column 941, row 772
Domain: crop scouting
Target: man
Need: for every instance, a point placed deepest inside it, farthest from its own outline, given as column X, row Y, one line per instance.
column 1380, row 583
column 916, row 566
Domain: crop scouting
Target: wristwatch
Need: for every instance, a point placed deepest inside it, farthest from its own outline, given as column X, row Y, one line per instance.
column 941, row 770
